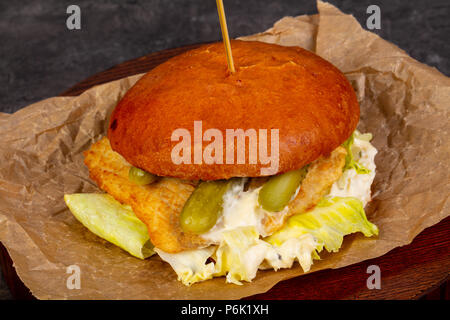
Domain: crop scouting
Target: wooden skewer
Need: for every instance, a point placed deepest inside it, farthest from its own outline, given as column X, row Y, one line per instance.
column 226, row 38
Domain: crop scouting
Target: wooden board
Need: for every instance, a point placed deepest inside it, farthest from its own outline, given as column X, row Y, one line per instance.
column 419, row 270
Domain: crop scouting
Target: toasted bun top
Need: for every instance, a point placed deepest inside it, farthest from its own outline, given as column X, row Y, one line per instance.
column 306, row 98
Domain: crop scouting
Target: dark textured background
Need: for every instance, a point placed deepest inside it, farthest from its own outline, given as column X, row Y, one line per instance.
column 40, row 57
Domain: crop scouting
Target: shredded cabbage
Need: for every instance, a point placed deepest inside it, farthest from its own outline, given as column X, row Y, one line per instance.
column 240, row 254
column 191, row 266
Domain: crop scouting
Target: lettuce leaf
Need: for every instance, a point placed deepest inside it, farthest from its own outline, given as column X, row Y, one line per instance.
column 350, row 162
column 328, row 223
column 112, row 221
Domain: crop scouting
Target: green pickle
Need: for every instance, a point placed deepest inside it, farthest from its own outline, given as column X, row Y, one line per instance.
column 140, row 176
column 278, row 191
column 204, row 206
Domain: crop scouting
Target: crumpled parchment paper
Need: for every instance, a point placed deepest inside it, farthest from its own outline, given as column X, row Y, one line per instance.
column 404, row 103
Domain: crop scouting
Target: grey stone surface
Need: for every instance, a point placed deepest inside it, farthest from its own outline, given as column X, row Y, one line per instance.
column 40, row 57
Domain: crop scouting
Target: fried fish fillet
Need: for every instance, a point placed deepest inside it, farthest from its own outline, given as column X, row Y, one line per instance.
column 159, row 204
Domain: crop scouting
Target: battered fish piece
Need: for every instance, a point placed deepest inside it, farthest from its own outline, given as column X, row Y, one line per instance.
column 159, row 204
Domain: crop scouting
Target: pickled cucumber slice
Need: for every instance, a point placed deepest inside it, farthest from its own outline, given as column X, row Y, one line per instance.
column 279, row 190
column 204, row 206
column 140, row 176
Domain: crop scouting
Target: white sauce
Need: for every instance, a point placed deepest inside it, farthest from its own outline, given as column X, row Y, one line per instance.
column 352, row 184
column 240, row 209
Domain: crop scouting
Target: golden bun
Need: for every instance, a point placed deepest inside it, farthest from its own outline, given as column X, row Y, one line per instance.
column 287, row 88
